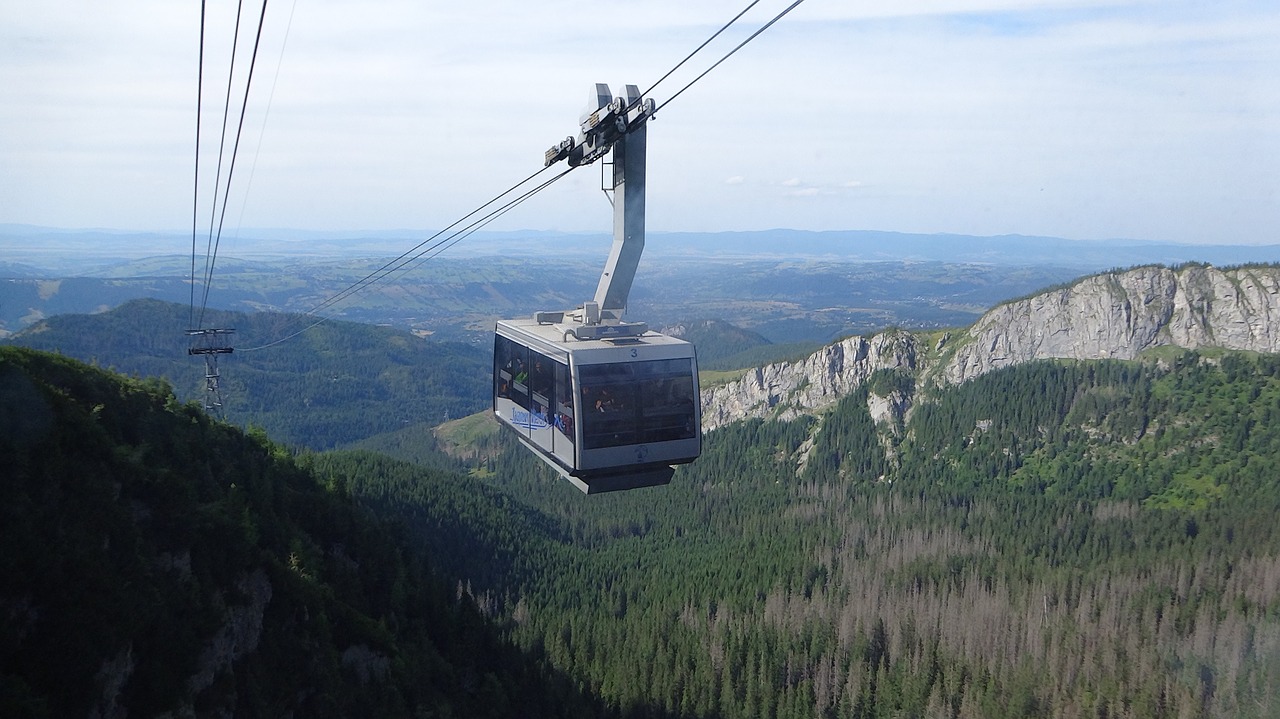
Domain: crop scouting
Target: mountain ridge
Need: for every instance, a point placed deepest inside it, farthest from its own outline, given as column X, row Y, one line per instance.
column 1121, row 315
column 1112, row 315
column 337, row 382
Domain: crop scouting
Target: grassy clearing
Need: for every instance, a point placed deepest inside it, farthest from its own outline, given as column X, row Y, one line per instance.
column 715, row 378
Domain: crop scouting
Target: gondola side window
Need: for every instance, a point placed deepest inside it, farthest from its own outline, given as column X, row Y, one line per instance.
column 637, row 403
column 511, row 373
column 533, row 394
column 563, row 388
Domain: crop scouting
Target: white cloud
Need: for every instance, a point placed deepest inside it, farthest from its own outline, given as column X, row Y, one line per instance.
column 1143, row 118
column 803, row 192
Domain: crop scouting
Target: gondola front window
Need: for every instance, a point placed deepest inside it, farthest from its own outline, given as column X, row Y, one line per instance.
column 628, row 403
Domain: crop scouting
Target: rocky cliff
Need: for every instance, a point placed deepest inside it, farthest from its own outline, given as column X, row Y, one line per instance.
column 1113, row 315
column 789, row 389
column 1120, row 315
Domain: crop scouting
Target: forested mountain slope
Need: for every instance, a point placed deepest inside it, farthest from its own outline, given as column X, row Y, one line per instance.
column 1073, row 539
column 1054, row 539
column 156, row 563
column 336, row 383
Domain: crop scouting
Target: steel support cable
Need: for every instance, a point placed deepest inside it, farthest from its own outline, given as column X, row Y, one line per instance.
column 435, row 249
column 381, row 272
column 740, row 45
column 266, row 113
column 253, row 61
column 466, row 232
column 696, row 50
column 392, row 265
column 195, row 199
column 405, row 258
column 222, row 148
column 452, row 240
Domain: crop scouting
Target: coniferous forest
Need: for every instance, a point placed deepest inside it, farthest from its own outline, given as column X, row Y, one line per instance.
column 158, row 563
column 1056, row 539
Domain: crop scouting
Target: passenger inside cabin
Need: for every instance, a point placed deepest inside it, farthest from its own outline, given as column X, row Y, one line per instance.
column 518, row 374
column 605, row 402
column 541, row 378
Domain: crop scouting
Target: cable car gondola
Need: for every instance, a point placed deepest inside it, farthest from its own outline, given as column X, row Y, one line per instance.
column 607, row 414
column 609, row 404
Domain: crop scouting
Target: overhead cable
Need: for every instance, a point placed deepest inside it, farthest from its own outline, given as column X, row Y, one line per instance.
column 253, row 60
column 195, row 199
column 400, row 261
column 222, row 147
column 266, row 113
column 699, row 48
column 434, row 249
column 739, row 46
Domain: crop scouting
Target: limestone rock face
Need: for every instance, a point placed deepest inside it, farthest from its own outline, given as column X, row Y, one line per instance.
column 789, row 389
column 1113, row 315
column 1120, row 315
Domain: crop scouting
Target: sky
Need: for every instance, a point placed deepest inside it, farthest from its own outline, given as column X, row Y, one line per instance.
column 1139, row 119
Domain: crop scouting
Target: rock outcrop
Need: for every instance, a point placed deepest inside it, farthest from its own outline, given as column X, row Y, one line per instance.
column 238, row 636
column 1114, row 315
column 1120, row 315
column 789, row 389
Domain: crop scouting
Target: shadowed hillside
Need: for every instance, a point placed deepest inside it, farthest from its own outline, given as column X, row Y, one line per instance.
column 159, row 563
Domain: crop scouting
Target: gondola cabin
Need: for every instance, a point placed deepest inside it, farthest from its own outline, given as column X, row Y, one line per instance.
column 607, row 414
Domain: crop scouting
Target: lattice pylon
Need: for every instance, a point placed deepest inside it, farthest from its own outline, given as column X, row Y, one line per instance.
column 210, row 343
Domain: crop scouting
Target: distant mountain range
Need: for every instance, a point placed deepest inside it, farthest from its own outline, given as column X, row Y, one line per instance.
column 68, row 249
column 1016, row 250
column 786, row 301
column 786, row 285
